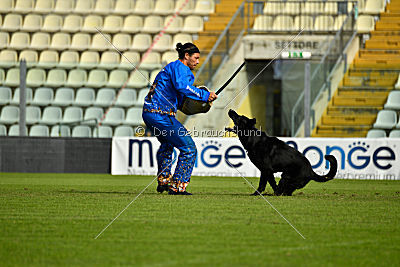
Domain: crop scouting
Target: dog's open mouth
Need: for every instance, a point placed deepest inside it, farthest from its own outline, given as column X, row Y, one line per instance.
column 233, row 130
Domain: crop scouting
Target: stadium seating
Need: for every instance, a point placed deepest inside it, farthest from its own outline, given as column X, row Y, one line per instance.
column 43, row 96
column 193, row 24
column 81, row 131
column 55, row 78
column 103, row 132
column 112, row 24
column 6, row 6
column 8, row 58
column 365, row 24
column 72, row 114
column 143, row 7
column 376, row 133
column 204, row 7
column 33, row 115
column 84, row 97
column 35, row 77
column 4, row 40
column 117, row 78
column 393, row 101
column 12, row 22
column 92, row 114
column 31, row 57
column 115, row 116
column 28, row 96
column 60, row 131
column 374, row 7
column 19, row 40
column 103, row 7
column 71, row 65
column 9, row 115
column 33, row 22
column 124, row 7
column 44, row 6
column 173, row 24
column 63, row 97
column 5, row 95
column 394, row 134
column 97, row 78
column 76, row 78
column 41, row 41
column 51, row 116
column 123, row 130
column 14, row 130
column 39, row 131
column 126, row 97
column 386, row 119
column 64, row 7
column 2, row 76
column 105, row 97
column 69, row 59
column 12, row 77
column 3, row 130
column 109, row 60
column 164, row 7
column 133, row 117
column 138, row 79
column 152, row 24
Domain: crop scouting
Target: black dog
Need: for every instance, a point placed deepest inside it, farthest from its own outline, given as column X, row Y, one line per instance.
column 270, row 155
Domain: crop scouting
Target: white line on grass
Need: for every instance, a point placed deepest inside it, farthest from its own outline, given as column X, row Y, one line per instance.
column 133, row 200
column 267, row 201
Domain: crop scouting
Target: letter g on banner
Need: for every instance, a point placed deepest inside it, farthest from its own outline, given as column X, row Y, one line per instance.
column 228, row 156
column 215, row 156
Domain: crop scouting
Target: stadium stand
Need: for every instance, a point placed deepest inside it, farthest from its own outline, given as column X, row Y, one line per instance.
column 61, row 44
column 365, row 98
column 71, row 65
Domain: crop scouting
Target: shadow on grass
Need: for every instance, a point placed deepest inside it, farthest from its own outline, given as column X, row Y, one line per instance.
column 155, row 193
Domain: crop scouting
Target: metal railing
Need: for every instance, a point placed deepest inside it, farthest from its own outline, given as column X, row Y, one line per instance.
column 320, row 79
column 291, row 16
column 222, row 48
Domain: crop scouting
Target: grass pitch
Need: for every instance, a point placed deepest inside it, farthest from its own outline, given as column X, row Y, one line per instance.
column 52, row 219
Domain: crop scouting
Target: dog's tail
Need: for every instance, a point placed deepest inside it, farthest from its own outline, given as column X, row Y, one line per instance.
column 332, row 170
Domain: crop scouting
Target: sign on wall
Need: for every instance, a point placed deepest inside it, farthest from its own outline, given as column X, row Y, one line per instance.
column 358, row 158
column 262, row 47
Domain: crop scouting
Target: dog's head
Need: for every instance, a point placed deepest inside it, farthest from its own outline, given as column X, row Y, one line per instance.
column 240, row 121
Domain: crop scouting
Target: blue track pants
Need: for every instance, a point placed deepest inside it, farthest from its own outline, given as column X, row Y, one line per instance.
column 171, row 133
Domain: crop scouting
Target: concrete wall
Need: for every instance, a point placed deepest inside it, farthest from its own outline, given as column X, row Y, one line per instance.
column 55, row 155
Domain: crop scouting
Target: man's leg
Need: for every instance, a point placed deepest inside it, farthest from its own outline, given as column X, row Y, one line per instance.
column 158, row 123
column 182, row 140
column 164, row 158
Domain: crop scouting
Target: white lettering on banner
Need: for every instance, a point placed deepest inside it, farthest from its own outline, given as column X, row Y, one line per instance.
column 358, row 158
column 193, row 91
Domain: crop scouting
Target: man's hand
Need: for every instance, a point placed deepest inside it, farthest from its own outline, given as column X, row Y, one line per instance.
column 212, row 97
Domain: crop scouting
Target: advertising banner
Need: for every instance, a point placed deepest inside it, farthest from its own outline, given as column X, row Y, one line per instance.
column 358, row 158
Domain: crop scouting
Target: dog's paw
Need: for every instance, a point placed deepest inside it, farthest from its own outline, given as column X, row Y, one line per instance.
column 256, row 193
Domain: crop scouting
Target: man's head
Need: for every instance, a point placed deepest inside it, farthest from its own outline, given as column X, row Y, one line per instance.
column 188, row 54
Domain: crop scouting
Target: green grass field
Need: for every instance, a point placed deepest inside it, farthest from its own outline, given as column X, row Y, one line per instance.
column 52, row 219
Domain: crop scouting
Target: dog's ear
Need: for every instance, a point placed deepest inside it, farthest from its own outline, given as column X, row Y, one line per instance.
column 253, row 121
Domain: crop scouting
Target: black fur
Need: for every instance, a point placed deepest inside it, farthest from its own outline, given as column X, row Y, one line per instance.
column 270, row 155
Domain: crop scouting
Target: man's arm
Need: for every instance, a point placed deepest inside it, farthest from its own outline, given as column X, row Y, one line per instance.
column 180, row 79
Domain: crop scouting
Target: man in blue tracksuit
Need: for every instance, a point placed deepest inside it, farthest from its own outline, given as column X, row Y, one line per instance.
column 171, row 85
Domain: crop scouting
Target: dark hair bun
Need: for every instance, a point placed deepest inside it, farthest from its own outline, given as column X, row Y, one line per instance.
column 179, row 47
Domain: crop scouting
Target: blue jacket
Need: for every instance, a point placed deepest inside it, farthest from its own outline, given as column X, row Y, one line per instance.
column 172, row 84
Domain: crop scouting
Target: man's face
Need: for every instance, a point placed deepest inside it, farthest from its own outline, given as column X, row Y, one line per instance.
column 192, row 60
